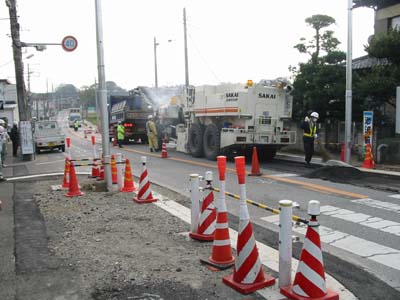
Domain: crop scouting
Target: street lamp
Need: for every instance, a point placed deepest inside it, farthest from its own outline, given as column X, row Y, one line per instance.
column 155, row 44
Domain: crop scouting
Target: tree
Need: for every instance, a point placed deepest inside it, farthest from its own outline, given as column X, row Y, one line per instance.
column 319, row 84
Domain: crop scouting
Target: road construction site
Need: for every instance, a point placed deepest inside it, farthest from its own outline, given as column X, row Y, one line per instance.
column 103, row 245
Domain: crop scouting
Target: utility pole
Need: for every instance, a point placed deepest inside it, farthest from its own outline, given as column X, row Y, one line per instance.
column 102, row 95
column 186, row 50
column 24, row 112
column 19, row 68
column 348, row 113
column 155, row 63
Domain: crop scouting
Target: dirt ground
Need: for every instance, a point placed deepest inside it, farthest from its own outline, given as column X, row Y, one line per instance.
column 119, row 249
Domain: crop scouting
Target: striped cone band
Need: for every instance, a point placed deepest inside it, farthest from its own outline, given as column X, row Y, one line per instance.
column 129, row 185
column 144, row 186
column 207, row 216
column 66, row 174
column 221, row 235
column 310, row 275
column 248, row 265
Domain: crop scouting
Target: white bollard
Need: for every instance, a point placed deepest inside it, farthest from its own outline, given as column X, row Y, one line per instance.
column 285, row 242
column 120, row 171
column 194, row 197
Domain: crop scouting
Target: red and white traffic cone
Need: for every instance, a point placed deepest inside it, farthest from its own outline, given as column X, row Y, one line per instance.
column 206, row 227
column 309, row 282
column 65, row 184
column 164, row 153
column 101, row 172
column 144, row 195
column 248, row 275
column 95, row 169
column 73, row 189
column 221, row 254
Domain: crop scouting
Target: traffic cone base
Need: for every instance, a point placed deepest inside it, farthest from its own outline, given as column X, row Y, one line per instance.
column 221, row 265
column 202, row 237
column 137, row 200
column 128, row 189
column 248, row 288
column 288, row 292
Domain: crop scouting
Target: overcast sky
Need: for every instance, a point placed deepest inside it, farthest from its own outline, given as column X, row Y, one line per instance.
column 228, row 40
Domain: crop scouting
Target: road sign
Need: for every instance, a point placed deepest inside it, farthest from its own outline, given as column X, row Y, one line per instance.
column 69, row 43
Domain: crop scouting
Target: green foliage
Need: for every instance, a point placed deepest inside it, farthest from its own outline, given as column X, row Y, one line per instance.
column 319, row 84
column 386, row 46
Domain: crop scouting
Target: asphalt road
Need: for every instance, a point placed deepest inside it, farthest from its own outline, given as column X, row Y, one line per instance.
column 360, row 227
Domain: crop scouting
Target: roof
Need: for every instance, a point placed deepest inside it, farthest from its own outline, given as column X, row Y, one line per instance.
column 377, row 4
column 366, row 62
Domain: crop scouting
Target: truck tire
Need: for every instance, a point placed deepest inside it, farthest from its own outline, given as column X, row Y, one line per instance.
column 267, row 153
column 211, row 142
column 63, row 148
column 195, row 141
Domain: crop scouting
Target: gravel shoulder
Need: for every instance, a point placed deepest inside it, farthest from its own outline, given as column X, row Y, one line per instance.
column 118, row 249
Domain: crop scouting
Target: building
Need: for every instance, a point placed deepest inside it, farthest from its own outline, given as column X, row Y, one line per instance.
column 8, row 93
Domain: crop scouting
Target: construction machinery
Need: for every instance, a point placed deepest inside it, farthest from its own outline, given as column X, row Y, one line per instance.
column 229, row 119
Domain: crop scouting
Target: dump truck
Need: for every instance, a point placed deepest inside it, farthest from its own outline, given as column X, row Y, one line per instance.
column 227, row 119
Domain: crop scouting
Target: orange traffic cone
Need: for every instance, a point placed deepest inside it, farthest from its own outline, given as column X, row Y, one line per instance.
column 248, row 275
column 114, row 175
column 144, row 195
column 65, row 184
column 309, row 282
column 368, row 158
column 129, row 185
column 255, row 166
column 73, row 183
column 206, row 227
column 343, row 153
column 164, row 153
column 221, row 254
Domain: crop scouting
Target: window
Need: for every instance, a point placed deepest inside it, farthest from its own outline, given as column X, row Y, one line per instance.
column 395, row 23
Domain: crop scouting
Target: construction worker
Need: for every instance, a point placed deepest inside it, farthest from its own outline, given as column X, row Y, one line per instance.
column 4, row 138
column 309, row 127
column 14, row 135
column 76, row 125
column 152, row 134
column 120, row 134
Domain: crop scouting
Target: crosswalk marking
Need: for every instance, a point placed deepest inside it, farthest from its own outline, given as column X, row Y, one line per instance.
column 384, row 255
column 362, row 219
column 379, row 204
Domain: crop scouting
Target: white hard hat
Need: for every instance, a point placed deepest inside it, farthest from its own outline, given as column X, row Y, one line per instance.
column 150, row 117
column 315, row 115
column 2, row 122
column 1, row 129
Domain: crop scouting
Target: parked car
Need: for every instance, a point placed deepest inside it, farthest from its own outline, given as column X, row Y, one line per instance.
column 48, row 136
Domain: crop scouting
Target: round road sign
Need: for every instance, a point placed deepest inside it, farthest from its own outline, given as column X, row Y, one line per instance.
column 69, row 43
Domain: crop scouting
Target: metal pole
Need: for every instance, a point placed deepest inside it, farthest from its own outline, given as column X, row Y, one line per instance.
column 120, row 170
column 102, row 94
column 155, row 63
column 347, row 133
column 194, row 196
column 186, row 50
column 97, row 104
column 398, row 110
column 285, row 242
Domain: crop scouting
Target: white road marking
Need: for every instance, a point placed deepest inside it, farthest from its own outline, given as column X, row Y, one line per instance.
column 268, row 256
column 285, row 175
column 42, row 175
column 362, row 219
column 379, row 204
column 396, row 196
column 384, row 255
column 50, row 162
